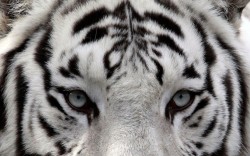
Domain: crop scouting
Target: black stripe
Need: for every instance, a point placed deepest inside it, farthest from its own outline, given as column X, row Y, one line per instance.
column 50, row 131
column 209, row 84
column 160, row 71
column 170, row 6
column 227, row 82
column 157, row 53
column 229, row 91
column 94, row 35
column 110, row 70
column 21, row 97
column 49, row 154
column 142, row 31
column 142, row 60
column 120, row 45
column 190, row 72
column 194, row 125
column 65, row 73
column 73, row 65
column 194, row 153
column 54, row 103
column 165, row 22
column 61, row 148
column 243, row 89
column 120, row 11
column 121, row 28
column 169, row 42
column 199, row 29
column 201, row 105
column 90, row 19
column 220, row 152
column 42, row 56
column 3, row 118
column 72, row 70
column 209, row 55
column 134, row 15
column 210, row 127
column 8, row 60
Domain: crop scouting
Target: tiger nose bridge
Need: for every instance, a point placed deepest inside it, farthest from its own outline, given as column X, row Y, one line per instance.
column 131, row 135
column 133, row 127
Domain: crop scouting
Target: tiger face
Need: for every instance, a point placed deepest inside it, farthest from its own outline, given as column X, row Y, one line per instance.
column 121, row 78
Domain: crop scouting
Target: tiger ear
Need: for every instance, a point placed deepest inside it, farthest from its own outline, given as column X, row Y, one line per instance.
column 231, row 9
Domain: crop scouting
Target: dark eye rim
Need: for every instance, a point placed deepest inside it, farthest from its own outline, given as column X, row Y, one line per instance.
column 86, row 108
column 172, row 108
column 90, row 109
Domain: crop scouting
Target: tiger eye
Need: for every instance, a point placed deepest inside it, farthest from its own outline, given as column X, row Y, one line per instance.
column 77, row 99
column 180, row 101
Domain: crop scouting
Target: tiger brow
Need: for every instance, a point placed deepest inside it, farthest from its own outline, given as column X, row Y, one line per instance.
column 165, row 22
column 90, row 19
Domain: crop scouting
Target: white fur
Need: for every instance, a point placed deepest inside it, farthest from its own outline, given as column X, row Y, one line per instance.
column 132, row 118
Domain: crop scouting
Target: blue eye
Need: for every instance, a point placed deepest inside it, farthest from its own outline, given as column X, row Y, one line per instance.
column 77, row 98
column 180, row 101
column 79, row 101
column 182, row 98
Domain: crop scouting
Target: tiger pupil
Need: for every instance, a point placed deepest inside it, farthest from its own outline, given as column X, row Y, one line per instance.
column 78, row 97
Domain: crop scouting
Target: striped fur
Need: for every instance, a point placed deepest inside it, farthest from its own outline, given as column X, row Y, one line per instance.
column 129, row 57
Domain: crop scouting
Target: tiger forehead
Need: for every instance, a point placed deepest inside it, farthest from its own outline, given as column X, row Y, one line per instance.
column 128, row 16
column 130, row 38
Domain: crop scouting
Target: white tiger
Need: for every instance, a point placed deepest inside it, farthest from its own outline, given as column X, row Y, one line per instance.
column 123, row 78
